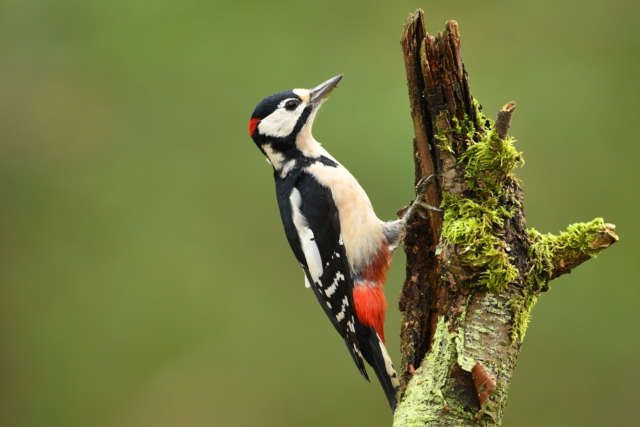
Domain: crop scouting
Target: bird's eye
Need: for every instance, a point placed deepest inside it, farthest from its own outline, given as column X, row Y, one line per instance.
column 291, row 104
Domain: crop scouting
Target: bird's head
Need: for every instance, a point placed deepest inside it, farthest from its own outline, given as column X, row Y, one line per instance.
column 281, row 123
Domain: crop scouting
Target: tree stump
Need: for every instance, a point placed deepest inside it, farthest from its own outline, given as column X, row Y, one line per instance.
column 474, row 271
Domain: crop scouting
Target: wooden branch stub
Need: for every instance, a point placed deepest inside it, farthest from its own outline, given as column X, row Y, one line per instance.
column 484, row 382
column 568, row 257
column 503, row 122
column 605, row 238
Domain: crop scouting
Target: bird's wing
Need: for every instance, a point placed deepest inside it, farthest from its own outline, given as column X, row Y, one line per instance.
column 315, row 238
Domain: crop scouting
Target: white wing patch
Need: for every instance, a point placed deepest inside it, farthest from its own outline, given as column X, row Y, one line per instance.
column 334, row 285
column 307, row 239
column 343, row 309
column 357, row 350
column 388, row 365
column 351, row 325
column 306, row 282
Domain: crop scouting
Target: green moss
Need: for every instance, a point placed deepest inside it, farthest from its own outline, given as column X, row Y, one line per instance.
column 442, row 141
column 545, row 252
column 455, row 125
column 475, row 228
column 488, row 162
column 478, row 109
column 576, row 241
column 474, row 222
column 521, row 309
column 442, row 137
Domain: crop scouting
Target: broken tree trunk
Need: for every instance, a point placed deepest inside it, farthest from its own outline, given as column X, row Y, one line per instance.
column 474, row 272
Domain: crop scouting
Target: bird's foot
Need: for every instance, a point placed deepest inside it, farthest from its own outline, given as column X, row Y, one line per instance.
column 419, row 206
column 395, row 231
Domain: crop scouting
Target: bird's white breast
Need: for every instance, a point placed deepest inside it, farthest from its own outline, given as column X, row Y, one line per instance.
column 360, row 228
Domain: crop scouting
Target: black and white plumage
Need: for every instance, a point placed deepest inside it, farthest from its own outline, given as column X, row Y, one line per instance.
column 312, row 227
column 342, row 246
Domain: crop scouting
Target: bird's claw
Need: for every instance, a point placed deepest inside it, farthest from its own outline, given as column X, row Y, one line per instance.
column 423, row 185
column 427, row 206
column 421, row 190
column 419, row 206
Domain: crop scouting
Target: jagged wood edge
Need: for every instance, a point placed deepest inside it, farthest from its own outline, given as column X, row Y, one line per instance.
column 419, row 328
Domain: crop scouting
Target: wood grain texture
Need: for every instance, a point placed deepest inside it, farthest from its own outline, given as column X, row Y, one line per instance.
column 474, row 272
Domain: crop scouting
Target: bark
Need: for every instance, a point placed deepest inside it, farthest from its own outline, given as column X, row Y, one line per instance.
column 474, row 272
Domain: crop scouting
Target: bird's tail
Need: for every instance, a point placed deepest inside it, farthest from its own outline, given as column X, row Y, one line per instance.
column 376, row 355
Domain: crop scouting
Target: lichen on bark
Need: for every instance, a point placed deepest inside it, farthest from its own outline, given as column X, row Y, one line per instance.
column 474, row 272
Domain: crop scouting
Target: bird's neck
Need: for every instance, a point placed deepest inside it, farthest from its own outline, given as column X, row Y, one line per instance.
column 308, row 146
column 305, row 151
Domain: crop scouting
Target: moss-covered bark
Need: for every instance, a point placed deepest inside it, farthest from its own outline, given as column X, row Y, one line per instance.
column 474, row 272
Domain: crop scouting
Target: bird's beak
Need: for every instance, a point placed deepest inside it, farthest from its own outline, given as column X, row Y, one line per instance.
column 319, row 93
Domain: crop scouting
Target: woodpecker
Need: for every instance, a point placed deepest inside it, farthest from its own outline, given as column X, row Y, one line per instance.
column 342, row 246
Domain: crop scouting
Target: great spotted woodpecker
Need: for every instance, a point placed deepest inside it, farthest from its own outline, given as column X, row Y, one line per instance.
column 342, row 246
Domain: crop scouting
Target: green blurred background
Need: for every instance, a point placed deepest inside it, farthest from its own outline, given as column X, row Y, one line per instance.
column 144, row 276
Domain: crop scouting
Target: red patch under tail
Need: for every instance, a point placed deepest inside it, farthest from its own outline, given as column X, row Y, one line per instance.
column 376, row 271
column 368, row 297
column 371, row 307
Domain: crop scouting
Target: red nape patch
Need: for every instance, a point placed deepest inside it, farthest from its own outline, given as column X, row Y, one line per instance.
column 253, row 123
column 371, row 306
